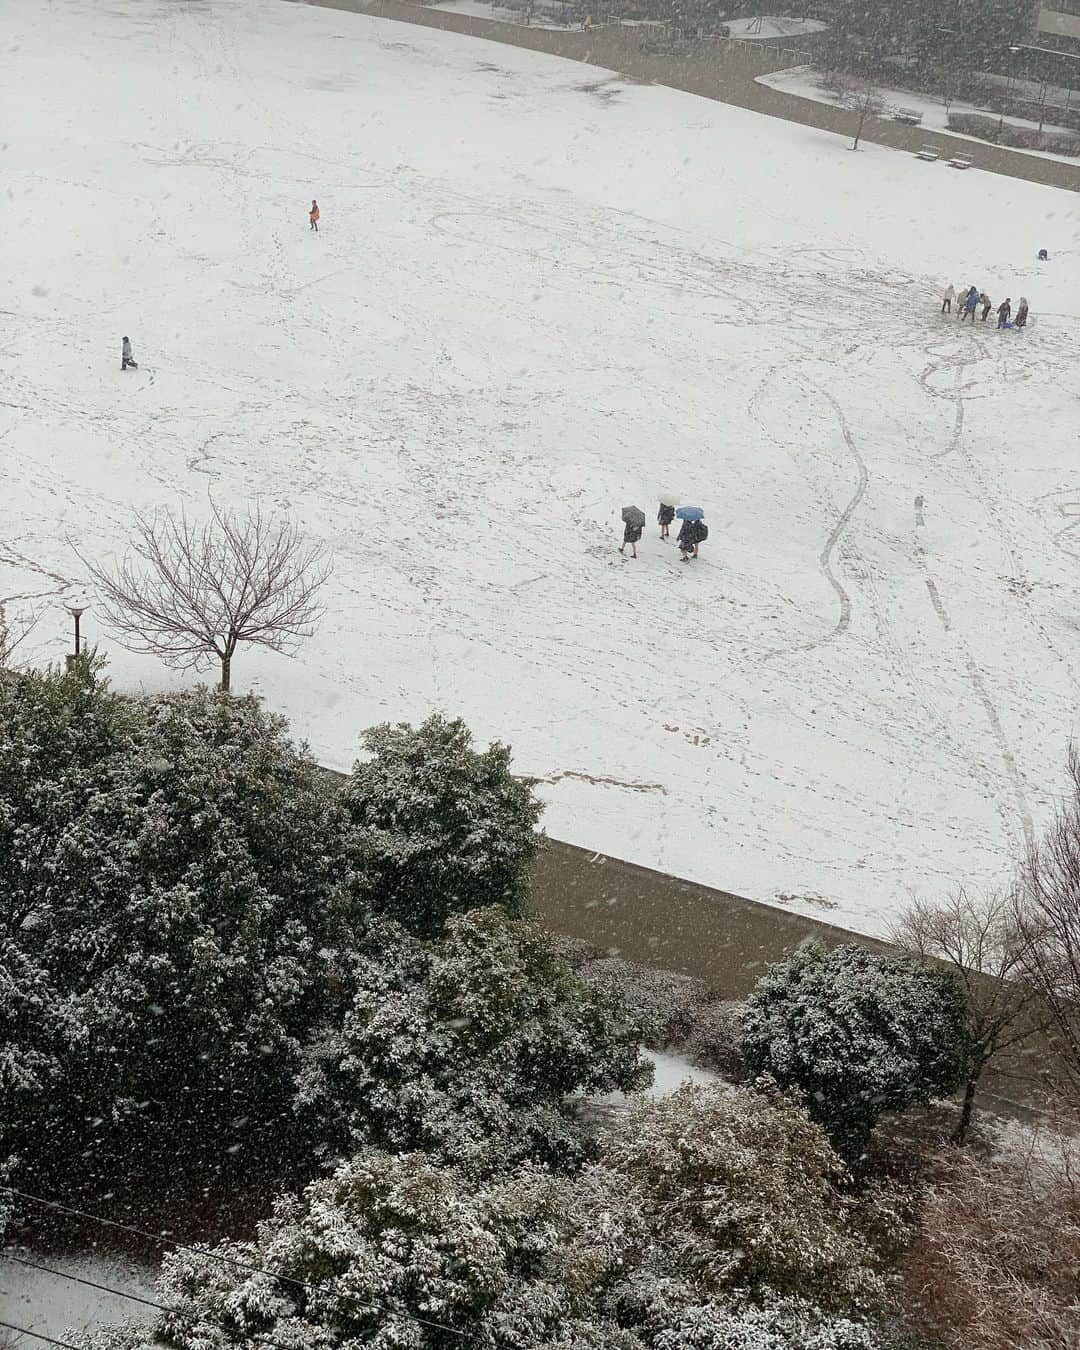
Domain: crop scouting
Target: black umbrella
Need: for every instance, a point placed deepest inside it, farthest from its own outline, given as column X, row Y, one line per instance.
column 633, row 515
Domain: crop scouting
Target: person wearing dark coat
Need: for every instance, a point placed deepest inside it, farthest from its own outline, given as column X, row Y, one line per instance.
column 1003, row 312
column 1021, row 313
column 690, row 536
column 126, row 358
column 665, row 516
column 630, row 535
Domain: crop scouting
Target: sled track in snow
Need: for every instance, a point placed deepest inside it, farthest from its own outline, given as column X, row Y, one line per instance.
column 843, row 621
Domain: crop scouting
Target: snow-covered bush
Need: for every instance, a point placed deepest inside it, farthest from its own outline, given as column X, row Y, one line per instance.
column 171, row 879
column 715, row 1040
column 783, row 1325
column 467, row 1047
column 440, row 827
column 741, row 1192
column 667, row 1004
column 394, row 1252
column 858, row 1033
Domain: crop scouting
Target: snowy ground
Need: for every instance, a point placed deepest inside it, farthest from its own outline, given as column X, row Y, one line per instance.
column 806, row 82
column 53, row 1306
column 480, row 9
column 765, row 28
column 540, row 294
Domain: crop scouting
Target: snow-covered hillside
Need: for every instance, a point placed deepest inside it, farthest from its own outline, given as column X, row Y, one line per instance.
column 540, row 294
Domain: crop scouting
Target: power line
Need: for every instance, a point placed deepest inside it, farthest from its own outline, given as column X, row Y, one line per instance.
column 38, row 1335
column 261, row 1337
column 204, row 1252
column 92, row 1284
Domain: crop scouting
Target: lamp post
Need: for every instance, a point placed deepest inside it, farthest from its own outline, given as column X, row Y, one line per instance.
column 76, row 612
column 950, row 61
column 1042, row 52
column 1008, row 91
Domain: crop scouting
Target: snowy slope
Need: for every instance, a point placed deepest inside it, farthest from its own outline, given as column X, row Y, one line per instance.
column 540, row 294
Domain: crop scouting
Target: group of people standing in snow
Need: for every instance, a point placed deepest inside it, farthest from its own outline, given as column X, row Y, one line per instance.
column 692, row 532
column 969, row 299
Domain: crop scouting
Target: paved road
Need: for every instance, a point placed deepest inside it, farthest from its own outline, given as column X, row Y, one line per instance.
column 728, row 75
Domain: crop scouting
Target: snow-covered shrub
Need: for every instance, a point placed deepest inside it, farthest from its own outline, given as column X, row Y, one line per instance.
column 858, row 1033
column 467, row 1047
column 741, row 1191
column 392, row 1252
column 440, row 827
column 171, row 870
column 576, row 952
column 715, row 1040
column 783, row 1325
column 668, row 1005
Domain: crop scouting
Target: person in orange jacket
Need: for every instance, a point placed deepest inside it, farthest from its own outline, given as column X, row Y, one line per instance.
column 313, row 215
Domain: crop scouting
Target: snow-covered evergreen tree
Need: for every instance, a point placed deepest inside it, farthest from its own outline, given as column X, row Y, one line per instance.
column 439, row 826
column 171, row 877
column 394, row 1251
column 858, row 1033
column 468, row 1046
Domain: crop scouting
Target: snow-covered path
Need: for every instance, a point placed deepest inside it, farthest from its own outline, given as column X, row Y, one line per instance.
column 539, row 294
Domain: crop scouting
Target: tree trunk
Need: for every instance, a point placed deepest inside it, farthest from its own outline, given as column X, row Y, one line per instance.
column 226, row 671
column 967, row 1110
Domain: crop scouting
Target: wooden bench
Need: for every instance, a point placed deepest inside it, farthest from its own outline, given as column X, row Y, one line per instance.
column 961, row 162
column 908, row 116
column 927, row 152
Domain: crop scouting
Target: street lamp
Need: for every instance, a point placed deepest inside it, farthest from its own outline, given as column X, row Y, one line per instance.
column 76, row 612
column 950, row 60
column 1041, row 69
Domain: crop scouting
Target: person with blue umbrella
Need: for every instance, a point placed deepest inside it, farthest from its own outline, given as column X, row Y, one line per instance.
column 692, row 532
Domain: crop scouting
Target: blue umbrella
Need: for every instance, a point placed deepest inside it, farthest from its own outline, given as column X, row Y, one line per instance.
column 690, row 513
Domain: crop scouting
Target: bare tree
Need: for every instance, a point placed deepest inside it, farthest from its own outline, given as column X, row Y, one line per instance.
column 1049, row 914
column 13, row 632
column 862, row 98
column 980, row 939
column 191, row 593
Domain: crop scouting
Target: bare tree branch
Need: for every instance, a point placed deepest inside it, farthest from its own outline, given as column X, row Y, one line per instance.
column 980, row 938
column 13, row 632
column 191, row 593
column 1049, row 915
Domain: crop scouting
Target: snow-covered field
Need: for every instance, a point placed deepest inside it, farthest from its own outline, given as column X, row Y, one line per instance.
column 540, row 294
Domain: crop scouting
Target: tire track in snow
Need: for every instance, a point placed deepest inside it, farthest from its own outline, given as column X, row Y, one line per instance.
column 978, row 683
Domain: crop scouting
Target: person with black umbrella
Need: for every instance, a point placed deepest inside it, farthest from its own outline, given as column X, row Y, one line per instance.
column 633, row 524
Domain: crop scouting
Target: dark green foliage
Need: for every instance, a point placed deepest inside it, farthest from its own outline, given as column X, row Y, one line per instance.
column 439, row 827
column 172, row 909
column 466, row 1047
column 859, row 1033
column 932, row 35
